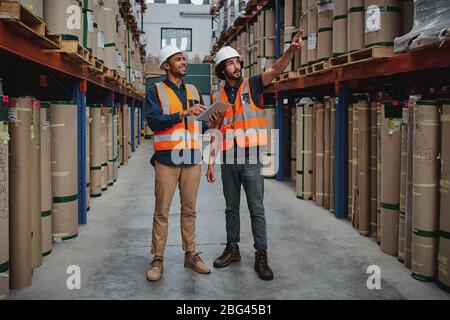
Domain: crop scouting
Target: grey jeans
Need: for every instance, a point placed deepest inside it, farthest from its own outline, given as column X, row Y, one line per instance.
column 248, row 175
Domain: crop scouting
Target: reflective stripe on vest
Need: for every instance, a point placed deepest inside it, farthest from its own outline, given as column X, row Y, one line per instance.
column 246, row 123
column 177, row 137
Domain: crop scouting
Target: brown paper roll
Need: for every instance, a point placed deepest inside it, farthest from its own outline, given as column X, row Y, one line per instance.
column 340, row 17
column 289, row 13
column 46, row 180
column 373, row 169
column 104, row 149
column 304, row 49
column 115, row 142
column 355, row 165
column 327, row 159
column 96, row 156
column 20, row 266
column 314, row 172
column 269, row 23
column 64, row 170
column 379, row 173
column 408, row 15
column 403, row 170
column 293, row 146
column 390, row 181
column 444, row 241
column 36, row 216
column 129, row 132
column 88, row 159
column 389, row 15
column 35, row 6
column 110, row 147
column 308, row 152
column 364, row 166
column 355, row 27
column 425, row 190
column 312, row 35
column 333, row 151
column 120, row 135
column 325, row 37
column 55, row 17
column 4, row 203
column 299, row 152
column 350, row 161
column 320, row 153
column 409, row 181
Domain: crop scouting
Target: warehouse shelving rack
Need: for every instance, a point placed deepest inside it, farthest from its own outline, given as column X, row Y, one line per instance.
column 423, row 67
column 28, row 69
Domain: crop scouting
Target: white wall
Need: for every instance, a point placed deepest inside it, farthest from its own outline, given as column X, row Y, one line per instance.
column 160, row 16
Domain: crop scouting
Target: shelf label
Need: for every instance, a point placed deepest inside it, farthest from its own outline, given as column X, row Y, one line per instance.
column 373, row 19
column 101, row 39
column 45, row 125
column 12, row 115
column 312, row 41
column 90, row 21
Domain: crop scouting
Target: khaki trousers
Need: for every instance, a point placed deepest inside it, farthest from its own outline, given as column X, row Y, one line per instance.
column 166, row 180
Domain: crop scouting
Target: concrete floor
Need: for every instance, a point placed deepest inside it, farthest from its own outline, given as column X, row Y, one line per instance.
column 313, row 255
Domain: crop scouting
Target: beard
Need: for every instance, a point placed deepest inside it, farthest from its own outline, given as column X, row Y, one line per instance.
column 234, row 76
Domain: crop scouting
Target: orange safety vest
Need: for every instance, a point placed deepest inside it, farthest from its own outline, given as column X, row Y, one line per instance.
column 244, row 121
column 177, row 137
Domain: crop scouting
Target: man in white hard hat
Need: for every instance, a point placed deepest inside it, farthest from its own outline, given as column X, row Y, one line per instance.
column 243, row 135
column 171, row 109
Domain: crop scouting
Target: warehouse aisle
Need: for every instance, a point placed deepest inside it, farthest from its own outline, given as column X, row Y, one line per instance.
column 314, row 256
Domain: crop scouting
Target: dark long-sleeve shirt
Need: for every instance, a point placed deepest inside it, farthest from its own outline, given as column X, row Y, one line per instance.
column 158, row 121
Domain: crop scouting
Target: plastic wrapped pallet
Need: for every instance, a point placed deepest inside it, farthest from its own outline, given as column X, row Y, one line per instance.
column 64, row 170
column 431, row 25
column 444, row 239
column 350, row 161
column 390, row 176
column 425, row 216
column 340, row 18
column 99, row 17
column 304, row 49
column 4, row 199
column 20, row 118
column 46, row 180
column 109, row 12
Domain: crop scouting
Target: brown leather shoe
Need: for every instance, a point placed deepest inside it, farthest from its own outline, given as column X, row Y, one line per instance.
column 155, row 269
column 261, row 265
column 194, row 262
column 229, row 255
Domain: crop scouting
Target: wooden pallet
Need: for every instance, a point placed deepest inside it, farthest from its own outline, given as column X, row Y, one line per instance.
column 76, row 51
column 320, row 66
column 363, row 55
column 96, row 67
column 25, row 22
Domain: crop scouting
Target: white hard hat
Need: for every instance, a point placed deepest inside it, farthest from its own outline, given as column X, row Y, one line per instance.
column 225, row 53
column 166, row 53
